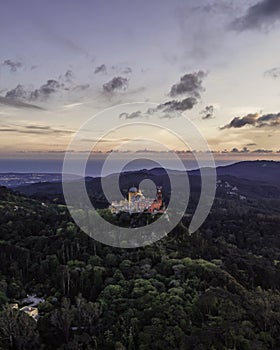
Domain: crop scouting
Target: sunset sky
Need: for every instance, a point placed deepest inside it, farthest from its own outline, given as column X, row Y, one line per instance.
column 216, row 62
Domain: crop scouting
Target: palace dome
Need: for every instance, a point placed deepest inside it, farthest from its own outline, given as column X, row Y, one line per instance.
column 133, row 190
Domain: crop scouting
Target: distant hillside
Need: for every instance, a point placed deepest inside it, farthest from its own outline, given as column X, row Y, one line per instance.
column 263, row 170
column 260, row 170
column 241, row 180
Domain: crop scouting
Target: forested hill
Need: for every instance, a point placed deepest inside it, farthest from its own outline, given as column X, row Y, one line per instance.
column 215, row 289
column 265, row 171
column 258, row 170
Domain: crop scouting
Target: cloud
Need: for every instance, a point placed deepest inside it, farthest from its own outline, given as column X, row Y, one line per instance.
column 133, row 115
column 170, row 109
column 37, row 127
column 236, row 150
column 243, row 150
column 238, row 122
column 117, row 83
column 36, row 130
column 44, row 130
column 190, row 84
column 46, row 90
column 18, row 92
column 262, row 151
column 267, row 120
column 273, row 73
column 69, row 76
column 263, row 14
column 12, row 65
column 11, row 102
column 100, row 69
column 178, row 106
column 208, row 112
column 8, row 129
column 65, row 83
column 42, row 93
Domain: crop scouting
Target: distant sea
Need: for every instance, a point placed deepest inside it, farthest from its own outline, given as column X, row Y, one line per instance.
column 94, row 167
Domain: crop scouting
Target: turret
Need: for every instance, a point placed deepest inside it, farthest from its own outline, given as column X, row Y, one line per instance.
column 159, row 194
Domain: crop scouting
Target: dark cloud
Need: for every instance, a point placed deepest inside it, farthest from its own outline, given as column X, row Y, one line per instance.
column 243, row 150
column 69, row 75
column 251, row 144
column 64, row 83
column 45, row 131
column 262, row 151
column 46, row 90
column 8, row 130
column 36, row 130
column 238, row 122
column 208, row 112
column 11, row 102
column 12, row 65
column 170, row 109
column 117, row 83
column 173, row 107
column 263, row 14
column 133, row 115
column 100, row 69
column 267, row 120
column 178, row 106
column 19, row 92
column 273, row 73
column 38, row 127
column 190, row 84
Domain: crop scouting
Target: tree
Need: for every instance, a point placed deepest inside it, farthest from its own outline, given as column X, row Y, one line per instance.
column 62, row 318
column 17, row 330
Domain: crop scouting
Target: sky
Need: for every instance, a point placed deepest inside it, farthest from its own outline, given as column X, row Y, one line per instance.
column 215, row 63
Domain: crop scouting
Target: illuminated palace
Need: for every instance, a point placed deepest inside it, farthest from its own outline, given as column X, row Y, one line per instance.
column 136, row 202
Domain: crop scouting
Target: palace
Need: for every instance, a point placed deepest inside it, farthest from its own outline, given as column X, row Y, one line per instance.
column 136, row 202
